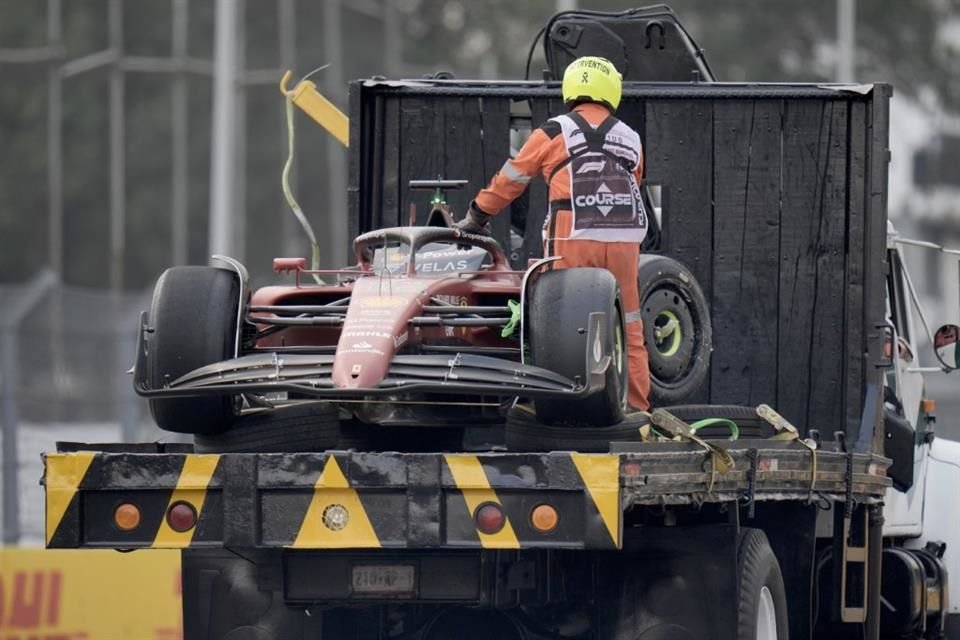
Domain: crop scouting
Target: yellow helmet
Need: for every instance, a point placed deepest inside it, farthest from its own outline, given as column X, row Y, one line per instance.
column 592, row 79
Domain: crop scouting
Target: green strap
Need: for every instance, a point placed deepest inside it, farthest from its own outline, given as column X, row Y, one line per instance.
column 511, row 326
column 707, row 422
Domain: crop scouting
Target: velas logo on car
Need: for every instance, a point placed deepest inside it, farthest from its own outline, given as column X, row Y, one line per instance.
column 604, row 200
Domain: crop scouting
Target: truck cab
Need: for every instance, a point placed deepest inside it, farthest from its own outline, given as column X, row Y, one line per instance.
column 921, row 523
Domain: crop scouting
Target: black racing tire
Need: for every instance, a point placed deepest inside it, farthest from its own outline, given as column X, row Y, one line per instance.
column 762, row 597
column 297, row 429
column 560, row 306
column 360, row 436
column 193, row 323
column 680, row 360
column 523, row 432
column 751, row 425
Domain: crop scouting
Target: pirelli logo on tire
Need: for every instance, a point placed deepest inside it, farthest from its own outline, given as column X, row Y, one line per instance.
column 334, row 500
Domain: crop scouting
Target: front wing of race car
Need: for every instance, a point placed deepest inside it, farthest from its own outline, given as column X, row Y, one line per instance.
column 459, row 373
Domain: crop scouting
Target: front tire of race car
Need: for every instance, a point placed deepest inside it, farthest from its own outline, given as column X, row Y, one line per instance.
column 560, row 306
column 193, row 323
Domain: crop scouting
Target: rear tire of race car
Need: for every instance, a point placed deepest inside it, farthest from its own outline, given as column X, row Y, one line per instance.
column 297, row 429
column 679, row 360
column 193, row 323
column 560, row 306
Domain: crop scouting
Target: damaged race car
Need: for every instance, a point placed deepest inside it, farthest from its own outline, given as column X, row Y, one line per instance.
column 429, row 332
column 431, row 328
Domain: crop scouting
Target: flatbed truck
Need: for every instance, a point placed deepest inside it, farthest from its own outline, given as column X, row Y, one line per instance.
column 775, row 196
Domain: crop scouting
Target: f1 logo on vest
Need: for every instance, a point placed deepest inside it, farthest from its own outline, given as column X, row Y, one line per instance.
column 595, row 166
column 604, row 200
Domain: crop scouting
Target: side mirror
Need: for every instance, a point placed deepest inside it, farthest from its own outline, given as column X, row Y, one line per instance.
column 945, row 346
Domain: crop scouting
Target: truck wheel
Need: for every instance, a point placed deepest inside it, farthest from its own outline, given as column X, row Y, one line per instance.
column 303, row 428
column 560, row 305
column 193, row 320
column 751, row 425
column 762, row 601
column 676, row 329
column 523, row 432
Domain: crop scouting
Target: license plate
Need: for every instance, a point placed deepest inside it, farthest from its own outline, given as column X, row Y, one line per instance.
column 383, row 579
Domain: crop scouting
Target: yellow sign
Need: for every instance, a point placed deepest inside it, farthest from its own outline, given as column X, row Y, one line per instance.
column 89, row 595
column 306, row 96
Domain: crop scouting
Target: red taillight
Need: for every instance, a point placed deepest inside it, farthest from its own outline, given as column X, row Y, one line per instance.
column 489, row 518
column 181, row 516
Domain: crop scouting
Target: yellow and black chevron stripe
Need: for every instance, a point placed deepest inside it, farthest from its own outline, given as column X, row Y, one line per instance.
column 83, row 490
column 333, row 501
column 584, row 488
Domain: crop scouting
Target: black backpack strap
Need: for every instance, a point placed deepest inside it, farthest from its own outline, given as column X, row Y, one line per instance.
column 565, row 162
column 604, row 128
column 594, row 139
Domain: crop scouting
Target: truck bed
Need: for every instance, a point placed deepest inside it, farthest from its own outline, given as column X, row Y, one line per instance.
column 420, row 501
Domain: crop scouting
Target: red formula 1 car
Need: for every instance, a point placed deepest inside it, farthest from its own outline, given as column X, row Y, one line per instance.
column 432, row 327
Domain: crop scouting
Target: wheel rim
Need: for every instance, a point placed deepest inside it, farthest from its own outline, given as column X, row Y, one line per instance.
column 669, row 343
column 766, row 616
column 670, row 332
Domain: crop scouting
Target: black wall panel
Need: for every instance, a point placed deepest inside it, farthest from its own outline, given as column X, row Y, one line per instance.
column 679, row 142
column 773, row 196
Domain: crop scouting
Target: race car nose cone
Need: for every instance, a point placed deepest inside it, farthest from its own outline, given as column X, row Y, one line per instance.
column 363, row 357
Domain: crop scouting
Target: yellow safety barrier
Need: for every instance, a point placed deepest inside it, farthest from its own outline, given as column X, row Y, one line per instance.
column 89, row 595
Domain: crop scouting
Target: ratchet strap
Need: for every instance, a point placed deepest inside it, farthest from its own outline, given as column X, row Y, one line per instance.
column 786, row 432
column 720, row 459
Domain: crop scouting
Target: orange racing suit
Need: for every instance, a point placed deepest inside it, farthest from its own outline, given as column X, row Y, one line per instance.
column 545, row 152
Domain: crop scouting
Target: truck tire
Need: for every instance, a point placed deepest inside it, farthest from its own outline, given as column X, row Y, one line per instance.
column 523, row 432
column 679, row 360
column 297, row 429
column 751, row 425
column 193, row 321
column 560, row 305
column 762, row 599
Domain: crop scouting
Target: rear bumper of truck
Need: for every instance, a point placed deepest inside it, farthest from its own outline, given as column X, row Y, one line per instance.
column 419, row 501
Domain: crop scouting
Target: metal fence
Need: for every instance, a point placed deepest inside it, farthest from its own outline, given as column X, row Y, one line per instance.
column 64, row 356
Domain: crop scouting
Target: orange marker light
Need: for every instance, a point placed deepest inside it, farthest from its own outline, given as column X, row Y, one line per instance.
column 928, row 406
column 544, row 518
column 127, row 516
